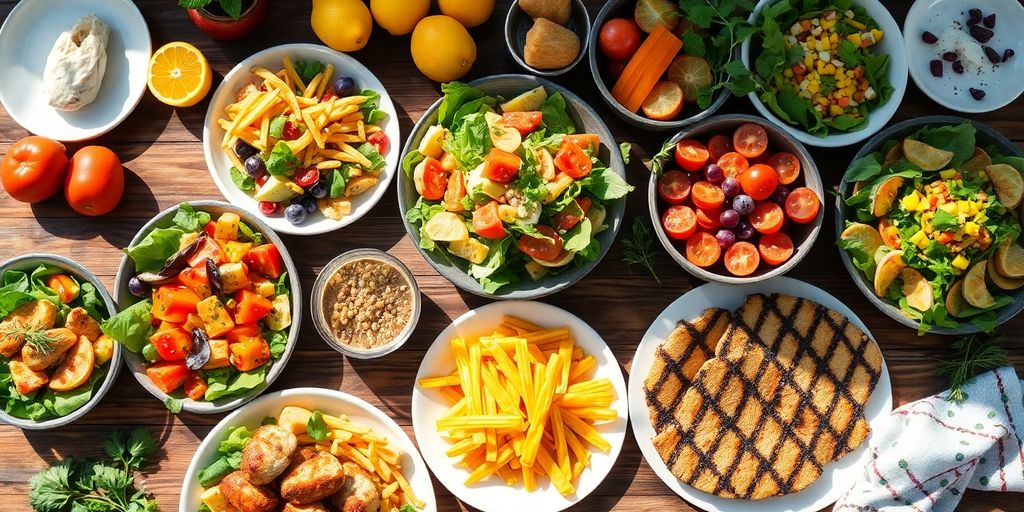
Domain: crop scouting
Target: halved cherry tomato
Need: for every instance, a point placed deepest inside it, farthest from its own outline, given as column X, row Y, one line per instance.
column 195, row 385
column 487, row 223
column 64, row 286
column 802, row 205
column 767, row 217
column 706, row 195
column 380, row 141
column 435, row 179
column 171, row 344
column 742, row 259
column 251, row 307
column 759, row 182
column 547, row 249
column 718, row 146
column 679, row 222
column 572, row 160
column 708, row 219
column 775, row 248
column 674, row 187
column 306, row 177
column 290, row 131
column 567, row 219
column 733, row 164
column 702, row 249
column 501, row 166
column 691, row 155
column 265, row 260
column 589, row 141
column 787, row 165
column 750, row 140
column 523, row 122
column 168, row 375
column 455, row 192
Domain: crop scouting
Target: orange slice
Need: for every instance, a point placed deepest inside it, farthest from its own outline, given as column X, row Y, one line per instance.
column 179, row 74
column 692, row 74
column 664, row 102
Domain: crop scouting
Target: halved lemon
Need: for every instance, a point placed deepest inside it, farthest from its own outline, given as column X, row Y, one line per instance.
column 664, row 102
column 179, row 74
column 651, row 13
column 692, row 74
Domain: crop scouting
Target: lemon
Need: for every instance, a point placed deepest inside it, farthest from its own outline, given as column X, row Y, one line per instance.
column 469, row 12
column 399, row 17
column 442, row 48
column 344, row 25
column 179, row 74
column 651, row 13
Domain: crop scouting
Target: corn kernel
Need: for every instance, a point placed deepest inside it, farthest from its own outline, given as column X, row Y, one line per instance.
column 813, row 87
column 809, row 60
column 947, row 174
column 835, row 110
column 854, row 38
column 834, row 38
column 830, row 69
column 788, row 73
column 858, row 25
column 971, row 228
column 980, row 218
column 960, row 262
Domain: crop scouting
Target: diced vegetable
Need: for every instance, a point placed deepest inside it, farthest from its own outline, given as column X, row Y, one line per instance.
column 646, row 67
column 227, row 227
column 215, row 317
column 249, row 354
column 174, row 303
column 195, row 279
column 261, row 285
column 446, row 227
column 234, row 277
column 195, row 386
column 209, row 248
column 171, row 344
column 193, row 321
column 251, row 307
column 219, row 355
column 265, row 260
column 103, row 349
column 235, row 251
column 501, row 166
column 243, row 332
column 168, row 376
column 280, row 316
column 487, row 222
column 215, row 500
column 65, row 287
column 470, row 250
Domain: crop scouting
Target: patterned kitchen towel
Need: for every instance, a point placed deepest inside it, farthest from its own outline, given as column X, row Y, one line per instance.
column 932, row 449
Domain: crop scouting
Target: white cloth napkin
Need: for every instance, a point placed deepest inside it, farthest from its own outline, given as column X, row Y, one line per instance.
column 931, row 450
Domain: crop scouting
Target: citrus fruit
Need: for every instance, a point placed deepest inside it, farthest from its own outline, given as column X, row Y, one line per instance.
column 179, row 74
column 442, row 48
column 399, row 17
column 344, row 25
column 691, row 73
column 470, row 14
column 664, row 102
column 651, row 13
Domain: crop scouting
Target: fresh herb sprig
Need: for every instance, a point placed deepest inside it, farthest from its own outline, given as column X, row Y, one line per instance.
column 233, row 8
column 639, row 247
column 662, row 158
column 39, row 339
column 975, row 354
column 726, row 26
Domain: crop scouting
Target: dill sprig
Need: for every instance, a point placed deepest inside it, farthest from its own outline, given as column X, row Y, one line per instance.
column 39, row 339
column 639, row 247
column 975, row 353
column 662, row 158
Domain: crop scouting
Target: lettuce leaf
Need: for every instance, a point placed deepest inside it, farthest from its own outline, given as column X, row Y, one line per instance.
column 456, row 94
column 556, row 117
column 281, row 160
column 132, row 326
column 470, row 142
column 152, row 252
column 228, row 382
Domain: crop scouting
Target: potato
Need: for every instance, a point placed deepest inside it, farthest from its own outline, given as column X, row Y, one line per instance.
column 975, row 290
column 550, row 45
column 76, row 368
column 926, row 157
column 294, row 419
column 63, row 338
column 216, row 501
column 103, row 349
column 219, row 355
column 26, row 380
column 226, row 227
column 215, row 317
column 557, row 11
column 38, row 314
column 313, row 480
column 82, row 324
column 955, row 303
column 885, row 195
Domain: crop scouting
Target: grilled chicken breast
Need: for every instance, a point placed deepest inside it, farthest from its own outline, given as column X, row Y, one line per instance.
column 38, row 314
column 313, row 480
column 268, row 454
column 360, row 493
column 245, row 496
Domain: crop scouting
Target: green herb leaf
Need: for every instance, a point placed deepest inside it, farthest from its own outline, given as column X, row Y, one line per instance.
column 945, row 221
column 307, row 69
column 370, row 152
column 624, row 149
column 316, row 428
column 189, row 220
column 173, row 404
column 242, row 180
column 639, row 247
column 281, row 160
column 276, row 129
column 232, row 7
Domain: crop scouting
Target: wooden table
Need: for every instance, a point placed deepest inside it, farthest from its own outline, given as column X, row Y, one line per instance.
column 161, row 149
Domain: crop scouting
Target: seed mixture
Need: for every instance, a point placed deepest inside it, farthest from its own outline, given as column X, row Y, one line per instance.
column 367, row 302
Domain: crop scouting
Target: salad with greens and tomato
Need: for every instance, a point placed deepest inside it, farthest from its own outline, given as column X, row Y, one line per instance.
column 509, row 188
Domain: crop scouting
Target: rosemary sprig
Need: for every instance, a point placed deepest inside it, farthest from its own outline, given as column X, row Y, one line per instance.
column 39, row 339
column 639, row 247
column 662, row 158
column 975, row 353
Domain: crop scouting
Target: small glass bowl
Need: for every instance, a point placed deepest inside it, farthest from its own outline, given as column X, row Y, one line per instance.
column 322, row 324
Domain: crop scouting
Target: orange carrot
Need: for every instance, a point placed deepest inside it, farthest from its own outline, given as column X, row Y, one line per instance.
column 646, row 67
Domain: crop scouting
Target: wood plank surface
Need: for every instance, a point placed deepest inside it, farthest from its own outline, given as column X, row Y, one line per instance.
column 161, row 149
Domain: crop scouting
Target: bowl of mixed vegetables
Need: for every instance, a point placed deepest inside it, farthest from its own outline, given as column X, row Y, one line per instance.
column 928, row 224
column 512, row 187
column 55, row 362
column 210, row 304
column 830, row 72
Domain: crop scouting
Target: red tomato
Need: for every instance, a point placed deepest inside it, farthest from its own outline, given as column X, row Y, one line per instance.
column 674, row 187
column 702, row 249
column 718, row 146
column 691, row 155
column 455, row 192
column 759, row 182
column 706, row 195
column 95, row 181
column 572, row 160
column 260, row 180
column 269, row 208
column 290, row 131
column 486, row 222
column 379, row 140
column 589, row 141
column 787, row 165
column 742, row 259
column 679, row 222
column 210, row 229
column 775, row 248
column 708, row 219
column 750, row 140
column 265, row 260
column 168, row 375
column 767, row 217
column 33, row 169
column 733, row 164
column 195, row 386
column 251, row 307
column 802, row 205
column 523, row 122
column 619, row 38
column 566, row 219
column 305, row 178
column 172, row 344
column 432, row 177
column 546, row 249
column 501, row 166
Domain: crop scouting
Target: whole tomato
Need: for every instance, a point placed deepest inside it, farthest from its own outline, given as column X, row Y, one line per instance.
column 33, row 169
column 95, row 181
column 619, row 39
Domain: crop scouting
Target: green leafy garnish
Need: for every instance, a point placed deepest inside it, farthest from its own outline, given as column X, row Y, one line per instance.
column 639, row 247
column 975, row 353
column 316, row 428
column 242, row 180
column 281, row 160
column 624, row 149
column 308, row 69
column 232, row 8
column 726, row 23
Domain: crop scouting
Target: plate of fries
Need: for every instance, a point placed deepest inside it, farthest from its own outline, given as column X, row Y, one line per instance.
column 520, row 405
column 314, row 148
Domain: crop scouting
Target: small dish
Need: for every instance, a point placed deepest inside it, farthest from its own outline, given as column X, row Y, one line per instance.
column 319, row 312
column 1000, row 83
column 518, row 23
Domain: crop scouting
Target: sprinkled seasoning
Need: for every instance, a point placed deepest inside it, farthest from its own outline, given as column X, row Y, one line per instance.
column 367, row 303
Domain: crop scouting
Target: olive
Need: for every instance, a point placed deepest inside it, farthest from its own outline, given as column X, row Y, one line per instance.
column 137, row 288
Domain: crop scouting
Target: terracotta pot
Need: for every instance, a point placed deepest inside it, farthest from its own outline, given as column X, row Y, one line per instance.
column 224, row 28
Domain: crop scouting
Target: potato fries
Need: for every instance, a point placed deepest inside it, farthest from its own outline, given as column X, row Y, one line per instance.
column 523, row 405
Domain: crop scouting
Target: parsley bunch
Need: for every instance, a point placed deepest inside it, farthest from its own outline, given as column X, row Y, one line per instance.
column 717, row 28
column 95, row 486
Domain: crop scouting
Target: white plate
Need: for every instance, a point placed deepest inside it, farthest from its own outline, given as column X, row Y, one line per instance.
column 327, row 400
column 26, row 38
column 891, row 45
column 837, row 477
column 1002, row 83
column 271, row 58
column 491, row 494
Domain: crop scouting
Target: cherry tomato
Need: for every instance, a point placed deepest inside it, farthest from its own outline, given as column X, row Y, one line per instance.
column 775, row 248
column 487, row 223
column 802, row 205
column 307, row 177
column 567, row 218
column 742, row 259
column 787, row 165
column 619, row 39
column 767, row 217
column 691, row 155
column 380, row 141
column 702, row 249
column 589, row 141
column 501, row 166
column 268, row 208
column 759, row 182
column 95, row 181
column 708, row 219
column 733, row 164
column 433, row 178
column 33, row 169
column 679, row 222
column 750, row 140
column 455, row 192
column 572, row 160
column 523, row 122
column 718, row 146
column 262, row 178
column 706, row 195
column 290, row 131
column 674, row 187
column 546, row 249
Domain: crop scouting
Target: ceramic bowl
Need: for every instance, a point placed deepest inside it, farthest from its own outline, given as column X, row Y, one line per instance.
column 518, row 23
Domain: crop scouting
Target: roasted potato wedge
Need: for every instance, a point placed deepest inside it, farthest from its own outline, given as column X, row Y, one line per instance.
column 76, row 368
column 884, row 195
column 975, row 291
column 926, row 157
column 82, row 324
column 215, row 500
column 916, row 289
column 1001, row 281
column 63, row 340
column 977, row 163
column 894, row 155
column 26, row 380
column 38, row 314
column 890, row 237
column 955, row 303
column 1008, row 184
column 888, row 268
column 1009, row 259
column 865, row 234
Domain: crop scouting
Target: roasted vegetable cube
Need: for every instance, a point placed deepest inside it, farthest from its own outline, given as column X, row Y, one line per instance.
column 215, row 317
column 280, row 316
column 249, row 354
column 219, row 355
column 215, row 500
column 103, row 349
column 227, row 227
column 234, row 277
column 235, row 251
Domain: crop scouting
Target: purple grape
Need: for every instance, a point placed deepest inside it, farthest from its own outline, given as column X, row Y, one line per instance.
column 731, row 187
column 936, row 67
column 344, row 86
column 973, row 16
column 949, row 56
column 744, row 231
column 729, row 218
column 929, row 38
column 244, row 150
column 977, row 94
column 254, row 166
column 308, row 203
column 295, row 214
column 137, row 288
column 958, row 67
column 318, row 189
column 726, row 238
column 990, row 20
column 743, row 204
column 780, row 195
column 714, row 174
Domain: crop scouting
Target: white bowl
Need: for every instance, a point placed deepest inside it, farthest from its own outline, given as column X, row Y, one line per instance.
column 271, row 58
column 492, row 494
column 1001, row 84
column 26, row 38
column 328, row 401
column 891, row 45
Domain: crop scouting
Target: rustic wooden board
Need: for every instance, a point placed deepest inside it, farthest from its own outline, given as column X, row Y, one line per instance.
column 162, row 151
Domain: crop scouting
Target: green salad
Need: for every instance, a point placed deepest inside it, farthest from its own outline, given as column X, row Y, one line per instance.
column 933, row 224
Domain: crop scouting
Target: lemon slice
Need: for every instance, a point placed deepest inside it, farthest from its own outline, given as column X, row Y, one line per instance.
column 179, row 74
column 692, row 74
column 651, row 13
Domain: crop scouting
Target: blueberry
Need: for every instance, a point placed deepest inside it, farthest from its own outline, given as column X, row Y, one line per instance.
column 254, row 165
column 137, row 288
column 743, row 204
column 729, row 218
column 344, row 86
column 714, row 174
column 780, row 195
column 726, row 238
column 744, row 231
column 308, row 203
column 929, row 38
column 295, row 214
column 318, row 189
column 244, row 150
column 731, row 187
